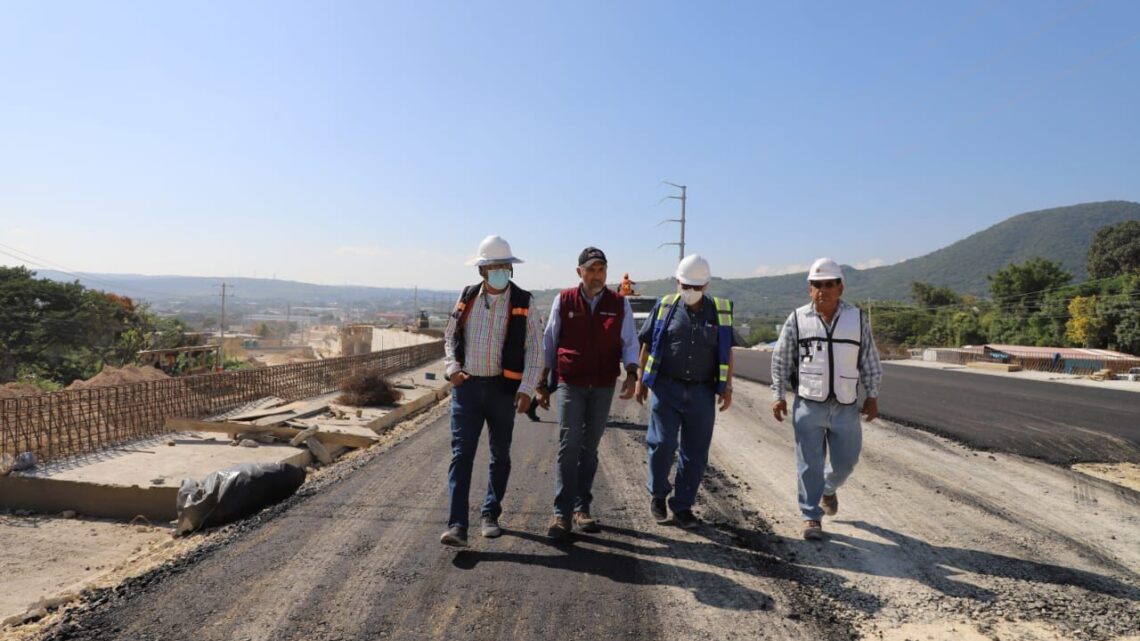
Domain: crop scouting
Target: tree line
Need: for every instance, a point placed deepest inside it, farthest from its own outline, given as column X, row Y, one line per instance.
column 1030, row 303
column 53, row 333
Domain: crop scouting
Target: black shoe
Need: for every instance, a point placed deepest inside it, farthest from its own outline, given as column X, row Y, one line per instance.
column 657, row 509
column 686, row 519
column 490, row 527
column 455, row 536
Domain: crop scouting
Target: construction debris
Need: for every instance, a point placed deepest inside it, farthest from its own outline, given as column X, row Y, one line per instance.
column 319, row 451
column 229, row 494
column 303, row 436
column 361, row 438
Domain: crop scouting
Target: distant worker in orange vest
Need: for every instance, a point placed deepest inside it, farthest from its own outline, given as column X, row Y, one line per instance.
column 626, row 288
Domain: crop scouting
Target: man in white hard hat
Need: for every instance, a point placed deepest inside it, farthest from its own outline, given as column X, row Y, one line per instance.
column 686, row 360
column 589, row 336
column 493, row 358
column 825, row 351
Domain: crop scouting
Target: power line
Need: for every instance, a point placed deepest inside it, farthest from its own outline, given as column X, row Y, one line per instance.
column 44, row 263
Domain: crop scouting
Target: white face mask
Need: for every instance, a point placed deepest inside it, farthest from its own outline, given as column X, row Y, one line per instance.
column 690, row 296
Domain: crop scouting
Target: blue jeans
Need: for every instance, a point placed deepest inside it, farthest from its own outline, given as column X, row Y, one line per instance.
column 479, row 400
column 682, row 412
column 821, row 428
column 584, row 411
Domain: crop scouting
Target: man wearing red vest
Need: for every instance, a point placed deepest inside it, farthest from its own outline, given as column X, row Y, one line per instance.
column 588, row 336
column 493, row 358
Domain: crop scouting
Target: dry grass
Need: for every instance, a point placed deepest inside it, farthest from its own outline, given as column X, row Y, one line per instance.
column 368, row 389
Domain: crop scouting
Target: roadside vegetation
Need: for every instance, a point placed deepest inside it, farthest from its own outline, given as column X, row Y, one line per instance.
column 1031, row 303
column 54, row 333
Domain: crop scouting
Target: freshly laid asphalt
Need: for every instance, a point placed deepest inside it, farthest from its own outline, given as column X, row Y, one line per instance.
column 1054, row 422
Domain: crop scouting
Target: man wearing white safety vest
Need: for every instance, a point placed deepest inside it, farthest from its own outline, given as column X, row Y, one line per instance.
column 825, row 351
column 686, row 360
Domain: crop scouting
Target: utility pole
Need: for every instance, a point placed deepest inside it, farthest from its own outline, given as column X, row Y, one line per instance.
column 868, row 311
column 288, row 320
column 683, row 197
column 222, row 337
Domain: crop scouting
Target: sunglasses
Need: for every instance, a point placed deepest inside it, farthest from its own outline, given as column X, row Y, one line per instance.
column 696, row 287
column 825, row 284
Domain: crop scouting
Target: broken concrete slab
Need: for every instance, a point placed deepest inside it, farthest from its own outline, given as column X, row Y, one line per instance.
column 304, row 435
column 319, row 450
column 328, row 437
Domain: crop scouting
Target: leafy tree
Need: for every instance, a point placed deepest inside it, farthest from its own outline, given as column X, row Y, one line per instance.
column 51, row 331
column 1085, row 323
column 903, row 325
column 762, row 333
column 931, row 296
column 1019, row 289
column 1127, row 332
column 1115, row 250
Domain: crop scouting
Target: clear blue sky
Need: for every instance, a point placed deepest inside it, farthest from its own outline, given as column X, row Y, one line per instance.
column 376, row 143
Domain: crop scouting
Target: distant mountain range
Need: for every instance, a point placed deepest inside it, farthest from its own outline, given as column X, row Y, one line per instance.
column 1062, row 234
column 198, row 290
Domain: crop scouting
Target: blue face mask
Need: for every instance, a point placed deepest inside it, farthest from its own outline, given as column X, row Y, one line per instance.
column 499, row 278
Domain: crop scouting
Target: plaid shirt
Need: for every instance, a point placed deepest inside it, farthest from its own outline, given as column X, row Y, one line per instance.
column 484, row 332
column 785, row 360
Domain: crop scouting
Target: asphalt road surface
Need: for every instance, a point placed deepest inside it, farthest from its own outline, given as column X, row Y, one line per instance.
column 933, row 541
column 1062, row 424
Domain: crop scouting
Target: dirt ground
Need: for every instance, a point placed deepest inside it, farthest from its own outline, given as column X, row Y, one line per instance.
column 58, row 556
column 1126, row 474
column 933, row 541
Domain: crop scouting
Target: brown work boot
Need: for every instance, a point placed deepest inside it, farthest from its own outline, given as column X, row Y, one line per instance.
column 586, row 523
column 559, row 529
column 830, row 504
column 813, row 530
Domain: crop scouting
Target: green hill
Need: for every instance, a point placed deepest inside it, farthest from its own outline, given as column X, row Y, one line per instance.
column 1062, row 234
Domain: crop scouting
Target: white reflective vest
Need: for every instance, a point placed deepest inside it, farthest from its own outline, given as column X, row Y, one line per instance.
column 829, row 360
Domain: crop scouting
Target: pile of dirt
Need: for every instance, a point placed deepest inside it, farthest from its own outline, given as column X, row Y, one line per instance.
column 15, row 390
column 120, row 376
column 368, row 389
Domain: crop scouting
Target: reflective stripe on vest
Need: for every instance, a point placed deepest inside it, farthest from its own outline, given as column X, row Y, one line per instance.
column 514, row 343
column 665, row 310
column 829, row 360
column 723, row 340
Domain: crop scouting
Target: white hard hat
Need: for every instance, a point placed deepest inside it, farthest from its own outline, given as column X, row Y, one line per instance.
column 693, row 270
column 825, row 269
column 494, row 250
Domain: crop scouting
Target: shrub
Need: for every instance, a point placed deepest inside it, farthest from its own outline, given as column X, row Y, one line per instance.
column 368, row 389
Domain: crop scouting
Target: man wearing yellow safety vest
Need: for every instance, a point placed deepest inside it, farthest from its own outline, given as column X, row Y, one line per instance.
column 493, row 358
column 825, row 351
column 686, row 360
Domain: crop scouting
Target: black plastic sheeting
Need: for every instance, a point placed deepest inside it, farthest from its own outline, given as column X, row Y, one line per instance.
column 230, row 494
